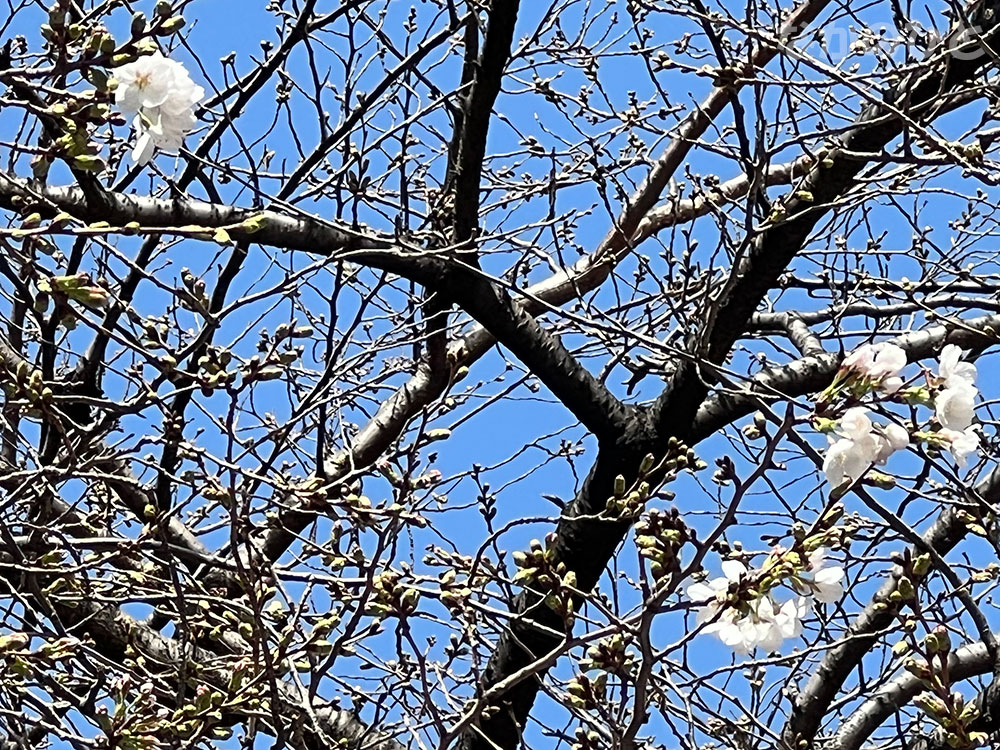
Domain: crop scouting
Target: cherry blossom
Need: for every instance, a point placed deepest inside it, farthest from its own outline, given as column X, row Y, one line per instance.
column 851, row 456
column 894, row 438
column 733, row 572
column 955, row 406
column 962, row 444
column 848, row 460
column 763, row 626
column 823, row 582
column 880, row 363
column 855, row 424
column 161, row 96
column 953, row 371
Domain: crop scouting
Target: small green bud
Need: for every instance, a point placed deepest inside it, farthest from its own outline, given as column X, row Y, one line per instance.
column 171, row 26
column 619, row 488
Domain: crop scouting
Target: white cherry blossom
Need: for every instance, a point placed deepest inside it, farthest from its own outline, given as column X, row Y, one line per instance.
column 821, row 581
column 160, row 95
column 762, row 623
column 855, row 424
column 880, row 363
column 862, row 445
column 791, row 614
column 860, row 360
column 955, row 406
column 962, row 444
column 953, row 371
column 894, row 438
column 890, row 360
column 765, row 625
column 848, row 460
column 710, row 592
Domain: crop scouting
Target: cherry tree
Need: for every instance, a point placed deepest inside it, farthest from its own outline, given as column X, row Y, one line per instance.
column 489, row 374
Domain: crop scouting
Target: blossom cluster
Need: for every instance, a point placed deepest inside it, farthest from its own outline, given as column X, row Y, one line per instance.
column 160, row 96
column 745, row 624
column 857, row 443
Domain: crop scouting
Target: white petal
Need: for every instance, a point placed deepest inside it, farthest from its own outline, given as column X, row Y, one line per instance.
column 734, row 569
column 142, row 152
column 889, row 361
column 962, row 444
column 731, row 634
column 891, row 384
column 789, row 619
column 860, row 359
column 855, row 423
column 950, row 356
column 953, row 370
column 827, row 586
column 831, row 575
column 898, row 436
column 771, row 637
column 700, row 592
column 955, row 407
column 706, row 613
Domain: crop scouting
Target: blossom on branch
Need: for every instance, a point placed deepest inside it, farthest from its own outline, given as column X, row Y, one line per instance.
column 823, row 582
column 962, row 444
column 765, row 625
column 161, row 96
column 757, row 620
column 953, row 371
column 880, row 363
column 955, row 407
column 861, row 446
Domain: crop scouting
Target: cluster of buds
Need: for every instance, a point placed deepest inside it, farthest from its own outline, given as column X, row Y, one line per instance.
column 659, row 537
column 628, row 502
column 292, row 331
column 757, row 428
column 541, row 572
column 954, row 716
column 136, row 722
column 610, row 655
column 800, row 564
column 271, row 367
column 405, row 484
column 154, row 332
column 454, row 593
column 947, row 709
column 212, row 364
column 196, row 298
column 308, row 493
column 202, row 716
column 214, row 491
column 16, row 657
column 587, row 740
column 79, row 287
column 216, row 623
column 913, row 570
column 27, row 383
column 15, row 654
column 587, row 693
column 984, row 525
column 390, row 598
column 318, row 645
column 163, row 22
